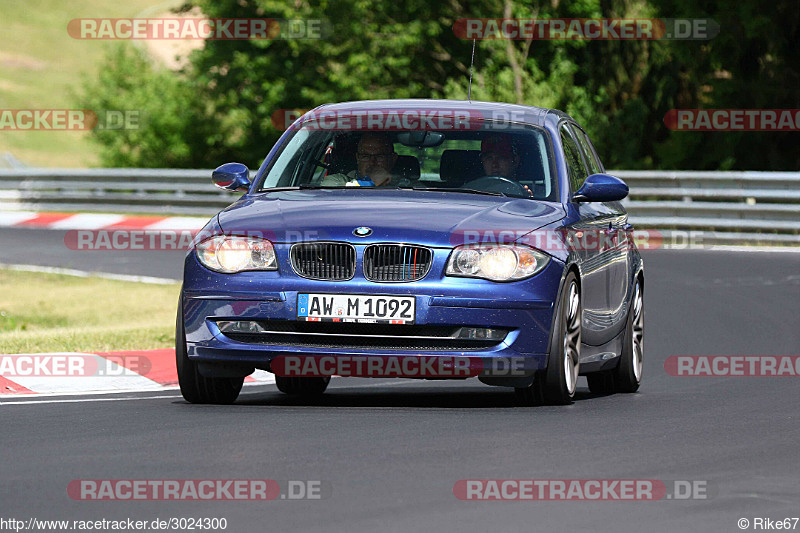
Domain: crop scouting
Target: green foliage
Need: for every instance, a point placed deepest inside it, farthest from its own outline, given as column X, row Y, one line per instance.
column 177, row 126
column 753, row 63
column 219, row 108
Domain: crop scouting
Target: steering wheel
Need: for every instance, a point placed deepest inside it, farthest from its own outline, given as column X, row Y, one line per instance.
column 498, row 184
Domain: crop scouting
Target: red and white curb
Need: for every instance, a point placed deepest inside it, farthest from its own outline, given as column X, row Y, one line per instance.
column 106, row 372
column 93, row 221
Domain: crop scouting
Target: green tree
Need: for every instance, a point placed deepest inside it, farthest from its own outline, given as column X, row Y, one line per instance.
column 174, row 123
column 220, row 107
column 753, row 63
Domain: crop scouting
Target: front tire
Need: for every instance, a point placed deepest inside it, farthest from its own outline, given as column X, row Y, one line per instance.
column 195, row 387
column 557, row 384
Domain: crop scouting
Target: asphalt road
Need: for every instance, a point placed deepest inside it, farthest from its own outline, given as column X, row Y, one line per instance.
column 42, row 247
column 388, row 452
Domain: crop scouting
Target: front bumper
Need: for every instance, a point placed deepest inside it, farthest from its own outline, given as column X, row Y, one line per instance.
column 524, row 308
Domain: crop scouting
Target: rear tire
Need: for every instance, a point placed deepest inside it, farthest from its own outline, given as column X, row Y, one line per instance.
column 195, row 387
column 628, row 374
column 295, row 386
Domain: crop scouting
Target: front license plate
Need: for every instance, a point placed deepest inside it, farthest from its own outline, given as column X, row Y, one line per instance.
column 356, row 308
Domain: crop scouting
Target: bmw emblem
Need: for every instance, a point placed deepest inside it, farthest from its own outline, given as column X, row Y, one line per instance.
column 362, row 231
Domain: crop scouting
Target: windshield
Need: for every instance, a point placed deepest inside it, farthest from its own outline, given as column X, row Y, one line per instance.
column 502, row 161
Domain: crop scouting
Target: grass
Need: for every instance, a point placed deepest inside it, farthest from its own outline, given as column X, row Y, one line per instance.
column 58, row 313
column 43, row 66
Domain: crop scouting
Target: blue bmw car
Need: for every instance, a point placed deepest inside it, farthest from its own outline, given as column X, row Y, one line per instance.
column 433, row 239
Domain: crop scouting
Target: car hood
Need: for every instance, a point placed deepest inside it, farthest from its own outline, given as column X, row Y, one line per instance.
column 438, row 219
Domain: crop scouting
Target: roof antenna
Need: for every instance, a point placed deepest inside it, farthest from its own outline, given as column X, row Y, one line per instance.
column 472, row 62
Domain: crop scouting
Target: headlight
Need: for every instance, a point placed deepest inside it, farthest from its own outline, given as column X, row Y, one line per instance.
column 496, row 262
column 229, row 254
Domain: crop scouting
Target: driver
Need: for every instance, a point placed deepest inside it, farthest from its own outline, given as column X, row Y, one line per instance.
column 499, row 158
column 375, row 157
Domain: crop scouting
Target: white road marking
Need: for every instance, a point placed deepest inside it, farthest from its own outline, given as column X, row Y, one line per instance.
column 34, row 399
column 84, row 400
column 88, row 274
column 86, row 393
column 728, row 248
column 731, row 248
column 262, row 380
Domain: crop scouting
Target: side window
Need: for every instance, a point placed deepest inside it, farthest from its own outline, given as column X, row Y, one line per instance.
column 575, row 167
column 588, row 151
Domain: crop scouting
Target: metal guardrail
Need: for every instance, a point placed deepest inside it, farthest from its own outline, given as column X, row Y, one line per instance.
column 113, row 190
column 729, row 207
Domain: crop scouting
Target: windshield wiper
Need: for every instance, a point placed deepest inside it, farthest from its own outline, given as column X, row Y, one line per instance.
column 456, row 189
column 297, row 188
column 307, row 187
column 416, row 188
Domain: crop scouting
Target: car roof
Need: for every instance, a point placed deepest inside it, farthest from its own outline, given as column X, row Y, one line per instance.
column 527, row 114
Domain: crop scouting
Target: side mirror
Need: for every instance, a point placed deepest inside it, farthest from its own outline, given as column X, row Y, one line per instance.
column 231, row 177
column 601, row 188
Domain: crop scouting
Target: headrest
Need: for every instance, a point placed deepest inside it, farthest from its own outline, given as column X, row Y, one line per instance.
column 407, row 167
column 460, row 166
